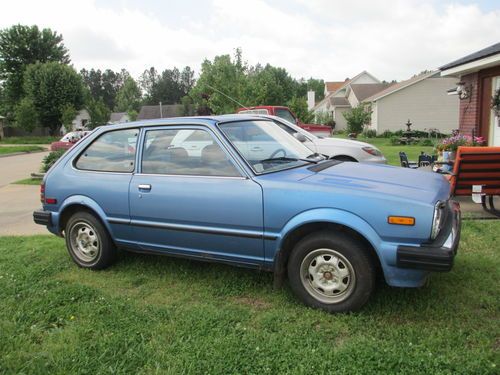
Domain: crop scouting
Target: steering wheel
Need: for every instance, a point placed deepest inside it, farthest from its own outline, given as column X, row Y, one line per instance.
column 277, row 152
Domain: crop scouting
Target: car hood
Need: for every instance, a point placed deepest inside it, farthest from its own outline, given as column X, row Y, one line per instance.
column 371, row 179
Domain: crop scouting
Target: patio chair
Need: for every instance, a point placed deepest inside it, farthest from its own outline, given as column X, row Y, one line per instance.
column 403, row 158
column 476, row 173
column 424, row 160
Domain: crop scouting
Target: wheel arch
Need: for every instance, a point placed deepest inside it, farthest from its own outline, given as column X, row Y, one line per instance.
column 318, row 220
column 81, row 203
column 344, row 158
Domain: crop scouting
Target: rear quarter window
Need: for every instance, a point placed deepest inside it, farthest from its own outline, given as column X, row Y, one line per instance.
column 111, row 152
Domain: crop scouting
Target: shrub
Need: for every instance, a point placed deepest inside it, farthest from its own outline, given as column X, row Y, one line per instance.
column 370, row 133
column 395, row 140
column 426, row 142
column 386, row 134
column 50, row 159
column 357, row 117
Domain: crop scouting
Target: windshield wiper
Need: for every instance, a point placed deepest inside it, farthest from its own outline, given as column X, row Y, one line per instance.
column 285, row 158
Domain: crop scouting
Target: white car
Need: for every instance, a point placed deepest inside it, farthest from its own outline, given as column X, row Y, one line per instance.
column 334, row 148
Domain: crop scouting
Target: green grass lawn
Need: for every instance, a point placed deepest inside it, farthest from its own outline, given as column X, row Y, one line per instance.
column 392, row 152
column 14, row 149
column 29, row 181
column 151, row 314
column 45, row 140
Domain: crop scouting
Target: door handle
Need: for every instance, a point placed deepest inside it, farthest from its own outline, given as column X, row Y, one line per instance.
column 256, row 148
column 145, row 187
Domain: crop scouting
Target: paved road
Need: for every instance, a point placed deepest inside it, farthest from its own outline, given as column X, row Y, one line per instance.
column 17, row 202
column 18, row 167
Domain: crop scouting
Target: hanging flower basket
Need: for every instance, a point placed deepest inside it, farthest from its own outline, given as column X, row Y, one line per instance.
column 495, row 103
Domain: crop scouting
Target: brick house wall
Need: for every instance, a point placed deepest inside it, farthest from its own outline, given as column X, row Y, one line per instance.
column 468, row 119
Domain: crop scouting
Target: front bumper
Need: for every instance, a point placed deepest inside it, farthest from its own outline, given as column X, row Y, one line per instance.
column 42, row 217
column 439, row 254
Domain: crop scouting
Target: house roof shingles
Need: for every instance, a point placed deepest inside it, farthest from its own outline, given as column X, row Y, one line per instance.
column 153, row 111
column 400, row 85
column 333, row 86
column 365, row 90
column 485, row 52
column 339, row 101
column 116, row 116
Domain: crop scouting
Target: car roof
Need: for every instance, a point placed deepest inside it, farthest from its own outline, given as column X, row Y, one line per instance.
column 195, row 120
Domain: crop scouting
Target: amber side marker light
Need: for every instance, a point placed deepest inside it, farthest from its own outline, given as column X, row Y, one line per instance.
column 401, row 220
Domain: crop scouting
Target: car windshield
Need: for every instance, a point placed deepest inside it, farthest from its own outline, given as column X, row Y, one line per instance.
column 266, row 147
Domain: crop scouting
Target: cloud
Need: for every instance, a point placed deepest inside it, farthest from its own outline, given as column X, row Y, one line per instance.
column 321, row 38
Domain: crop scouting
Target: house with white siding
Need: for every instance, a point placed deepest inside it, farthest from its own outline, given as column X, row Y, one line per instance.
column 422, row 99
column 342, row 96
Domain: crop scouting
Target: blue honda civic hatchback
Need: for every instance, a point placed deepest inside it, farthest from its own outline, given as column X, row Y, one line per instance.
column 238, row 189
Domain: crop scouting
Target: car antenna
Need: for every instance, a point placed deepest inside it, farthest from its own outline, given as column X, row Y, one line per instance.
column 227, row 96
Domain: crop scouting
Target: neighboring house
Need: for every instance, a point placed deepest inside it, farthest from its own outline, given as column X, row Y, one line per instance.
column 80, row 122
column 422, row 100
column 479, row 76
column 159, row 111
column 333, row 86
column 118, row 117
column 346, row 95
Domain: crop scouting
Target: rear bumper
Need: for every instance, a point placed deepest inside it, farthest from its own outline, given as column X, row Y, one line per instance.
column 42, row 217
column 439, row 254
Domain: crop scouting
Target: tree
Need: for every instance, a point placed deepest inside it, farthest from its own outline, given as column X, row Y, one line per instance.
column 219, row 81
column 26, row 115
column 52, row 87
column 269, row 86
column 129, row 96
column 104, row 85
column 357, row 117
column 98, row 111
column 299, row 107
column 68, row 115
column 21, row 46
column 168, row 87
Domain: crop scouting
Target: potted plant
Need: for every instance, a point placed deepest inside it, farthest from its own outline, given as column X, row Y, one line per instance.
column 448, row 147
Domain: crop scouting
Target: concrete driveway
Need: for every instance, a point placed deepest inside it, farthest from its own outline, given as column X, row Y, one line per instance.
column 17, row 202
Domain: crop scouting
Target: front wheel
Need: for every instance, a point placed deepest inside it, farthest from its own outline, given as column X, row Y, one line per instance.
column 88, row 241
column 331, row 271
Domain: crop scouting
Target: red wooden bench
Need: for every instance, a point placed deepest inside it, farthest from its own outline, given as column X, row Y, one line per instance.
column 476, row 173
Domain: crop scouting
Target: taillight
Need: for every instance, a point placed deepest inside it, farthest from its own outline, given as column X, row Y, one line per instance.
column 42, row 193
column 46, row 200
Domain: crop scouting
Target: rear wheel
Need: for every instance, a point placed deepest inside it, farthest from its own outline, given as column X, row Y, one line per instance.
column 331, row 271
column 88, row 241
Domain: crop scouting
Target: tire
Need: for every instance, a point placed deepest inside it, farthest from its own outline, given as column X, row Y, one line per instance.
column 331, row 271
column 89, row 243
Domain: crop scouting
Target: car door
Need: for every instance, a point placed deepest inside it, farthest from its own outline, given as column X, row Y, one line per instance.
column 195, row 203
column 104, row 170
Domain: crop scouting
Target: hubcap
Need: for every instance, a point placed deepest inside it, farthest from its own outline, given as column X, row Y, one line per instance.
column 327, row 275
column 84, row 242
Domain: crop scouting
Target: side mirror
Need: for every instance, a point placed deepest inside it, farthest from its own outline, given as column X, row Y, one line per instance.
column 300, row 137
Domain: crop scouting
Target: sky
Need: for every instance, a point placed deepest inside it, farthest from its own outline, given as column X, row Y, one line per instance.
column 325, row 39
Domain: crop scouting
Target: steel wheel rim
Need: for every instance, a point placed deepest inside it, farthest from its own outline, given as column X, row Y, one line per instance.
column 85, row 242
column 327, row 276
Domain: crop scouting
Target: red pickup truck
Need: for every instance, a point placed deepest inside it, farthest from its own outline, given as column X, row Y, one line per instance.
column 285, row 113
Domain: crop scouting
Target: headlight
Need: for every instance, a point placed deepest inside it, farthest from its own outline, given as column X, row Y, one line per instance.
column 437, row 221
column 372, row 151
